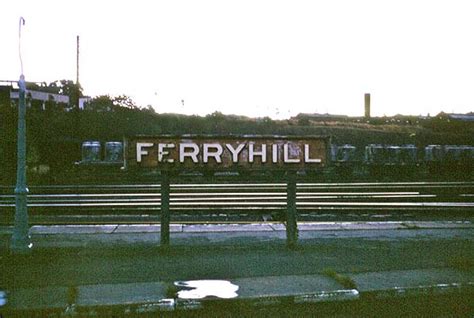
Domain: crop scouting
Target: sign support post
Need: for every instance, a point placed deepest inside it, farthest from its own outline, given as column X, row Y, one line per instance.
column 291, row 211
column 165, row 208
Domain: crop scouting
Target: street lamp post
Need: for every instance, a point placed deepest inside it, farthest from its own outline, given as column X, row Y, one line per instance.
column 21, row 241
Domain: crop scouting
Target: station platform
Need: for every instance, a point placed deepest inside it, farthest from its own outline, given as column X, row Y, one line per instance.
column 120, row 269
column 189, row 234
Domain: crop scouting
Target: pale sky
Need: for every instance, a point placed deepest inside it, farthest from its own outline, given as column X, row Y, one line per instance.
column 256, row 58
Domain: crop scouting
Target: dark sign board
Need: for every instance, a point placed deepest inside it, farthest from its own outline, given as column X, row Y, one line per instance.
column 226, row 152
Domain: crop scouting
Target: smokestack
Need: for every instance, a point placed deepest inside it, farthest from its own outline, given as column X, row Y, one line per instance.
column 367, row 105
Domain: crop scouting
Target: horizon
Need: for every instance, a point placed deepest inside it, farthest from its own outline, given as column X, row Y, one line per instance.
column 45, row 84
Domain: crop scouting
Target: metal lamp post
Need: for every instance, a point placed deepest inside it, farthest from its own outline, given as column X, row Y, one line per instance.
column 21, row 241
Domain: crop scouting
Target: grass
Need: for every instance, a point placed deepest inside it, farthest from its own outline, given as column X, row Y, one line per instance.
column 344, row 280
column 171, row 291
column 462, row 263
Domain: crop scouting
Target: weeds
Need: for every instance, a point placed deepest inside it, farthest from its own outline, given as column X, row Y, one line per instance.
column 344, row 280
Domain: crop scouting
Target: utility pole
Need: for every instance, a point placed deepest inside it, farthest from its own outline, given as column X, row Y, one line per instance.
column 76, row 95
column 77, row 73
column 21, row 241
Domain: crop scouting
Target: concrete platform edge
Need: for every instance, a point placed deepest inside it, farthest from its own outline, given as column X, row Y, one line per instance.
column 236, row 227
column 160, row 302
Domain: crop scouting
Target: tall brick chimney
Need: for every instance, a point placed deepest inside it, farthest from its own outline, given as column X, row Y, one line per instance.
column 367, row 105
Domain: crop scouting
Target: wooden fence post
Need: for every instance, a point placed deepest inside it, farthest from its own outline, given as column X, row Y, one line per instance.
column 165, row 208
column 291, row 211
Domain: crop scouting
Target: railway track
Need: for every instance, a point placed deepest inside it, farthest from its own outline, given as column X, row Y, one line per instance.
column 239, row 202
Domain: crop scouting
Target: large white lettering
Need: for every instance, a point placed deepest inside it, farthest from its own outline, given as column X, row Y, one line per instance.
column 229, row 153
column 235, row 152
column 216, row 154
column 162, row 152
column 140, row 151
column 274, row 153
column 192, row 154
column 307, row 159
column 286, row 155
column 262, row 153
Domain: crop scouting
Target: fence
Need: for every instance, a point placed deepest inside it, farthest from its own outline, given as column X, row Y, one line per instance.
column 288, row 200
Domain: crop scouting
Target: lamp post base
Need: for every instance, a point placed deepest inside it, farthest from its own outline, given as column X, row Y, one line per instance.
column 21, row 239
column 21, row 245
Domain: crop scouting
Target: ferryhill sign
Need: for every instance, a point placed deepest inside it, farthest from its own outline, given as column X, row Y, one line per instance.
column 229, row 152
column 226, row 153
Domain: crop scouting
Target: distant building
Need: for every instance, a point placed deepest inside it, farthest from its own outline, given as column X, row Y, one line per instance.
column 41, row 96
column 83, row 101
column 456, row 117
column 11, row 92
column 462, row 117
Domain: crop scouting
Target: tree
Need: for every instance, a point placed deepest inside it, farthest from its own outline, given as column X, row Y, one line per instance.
column 124, row 101
column 149, row 109
column 102, row 103
column 106, row 103
column 63, row 87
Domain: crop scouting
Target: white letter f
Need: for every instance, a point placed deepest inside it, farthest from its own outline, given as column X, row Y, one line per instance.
column 140, row 151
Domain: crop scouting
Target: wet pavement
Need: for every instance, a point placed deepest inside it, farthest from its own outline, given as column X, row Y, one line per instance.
column 123, row 266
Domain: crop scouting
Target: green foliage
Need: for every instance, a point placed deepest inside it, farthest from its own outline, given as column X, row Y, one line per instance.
column 63, row 87
column 106, row 103
column 102, row 103
column 124, row 101
column 54, row 135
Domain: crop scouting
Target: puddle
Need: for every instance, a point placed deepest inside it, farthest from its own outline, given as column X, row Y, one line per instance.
column 198, row 289
column 3, row 298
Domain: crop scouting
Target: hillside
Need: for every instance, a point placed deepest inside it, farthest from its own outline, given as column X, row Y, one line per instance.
column 54, row 137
